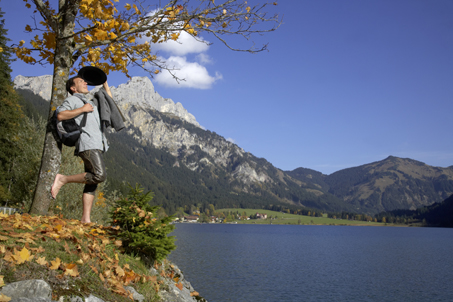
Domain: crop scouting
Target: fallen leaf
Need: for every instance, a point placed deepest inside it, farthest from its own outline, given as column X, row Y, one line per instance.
column 194, row 294
column 119, row 271
column 118, row 243
column 2, row 249
column 1, row 281
column 41, row 261
column 179, row 285
column 71, row 270
column 94, row 269
column 55, row 264
column 4, row 298
column 3, row 238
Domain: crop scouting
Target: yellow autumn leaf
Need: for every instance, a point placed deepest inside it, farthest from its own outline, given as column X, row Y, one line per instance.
column 127, row 6
column 2, row 283
column 22, row 256
column 71, row 270
column 55, row 264
column 41, row 261
column 4, row 298
column 248, row 9
column 2, row 249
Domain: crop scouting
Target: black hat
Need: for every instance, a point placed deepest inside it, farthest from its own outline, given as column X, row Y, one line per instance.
column 92, row 75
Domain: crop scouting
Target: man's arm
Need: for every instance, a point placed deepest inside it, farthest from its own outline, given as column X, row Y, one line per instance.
column 107, row 89
column 69, row 114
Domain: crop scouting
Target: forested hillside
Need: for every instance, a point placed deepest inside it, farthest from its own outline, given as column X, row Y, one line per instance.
column 193, row 176
column 390, row 184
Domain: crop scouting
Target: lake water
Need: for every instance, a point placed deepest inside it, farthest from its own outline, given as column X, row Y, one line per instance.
column 315, row 263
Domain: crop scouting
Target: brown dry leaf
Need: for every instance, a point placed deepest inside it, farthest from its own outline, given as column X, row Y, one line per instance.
column 8, row 256
column 84, row 257
column 72, row 270
column 194, row 294
column 41, row 261
column 2, row 283
column 40, row 249
column 3, row 238
column 119, row 271
column 2, row 249
column 4, row 298
column 55, row 264
column 179, row 285
column 80, row 261
column 66, row 247
column 118, row 243
column 101, row 277
column 94, row 269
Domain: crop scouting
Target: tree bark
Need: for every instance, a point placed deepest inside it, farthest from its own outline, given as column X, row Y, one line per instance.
column 51, row 157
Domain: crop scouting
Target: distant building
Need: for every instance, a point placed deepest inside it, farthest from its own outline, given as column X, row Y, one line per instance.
column 191, row 218
column 261, row 216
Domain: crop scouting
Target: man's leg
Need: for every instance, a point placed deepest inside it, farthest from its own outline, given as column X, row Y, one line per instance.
column 95, row 174
column 61, row 180
column 87, row 200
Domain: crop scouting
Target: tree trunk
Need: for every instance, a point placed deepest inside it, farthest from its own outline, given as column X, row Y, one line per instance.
column 51, row 156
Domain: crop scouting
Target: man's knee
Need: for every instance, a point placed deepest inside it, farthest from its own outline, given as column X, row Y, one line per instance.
column 100, row 177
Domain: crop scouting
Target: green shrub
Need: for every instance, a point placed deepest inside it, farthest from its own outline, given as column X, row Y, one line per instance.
column 143, row 233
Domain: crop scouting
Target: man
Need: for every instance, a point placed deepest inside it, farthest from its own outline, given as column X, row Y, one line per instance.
column 91, row 145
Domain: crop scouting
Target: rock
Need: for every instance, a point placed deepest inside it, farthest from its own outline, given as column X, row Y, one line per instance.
column 135, row 294
column 92, row 298
column 31, row 289
column 174, row 293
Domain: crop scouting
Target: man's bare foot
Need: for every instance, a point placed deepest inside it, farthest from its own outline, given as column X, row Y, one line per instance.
column 56, row 186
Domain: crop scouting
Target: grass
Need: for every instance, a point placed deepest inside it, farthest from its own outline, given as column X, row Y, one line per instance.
column 75, row 259
column 284, row 218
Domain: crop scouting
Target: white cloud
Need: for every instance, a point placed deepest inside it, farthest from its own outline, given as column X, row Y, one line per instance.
column 186, row 44
column 194, row 74
column 204, row 58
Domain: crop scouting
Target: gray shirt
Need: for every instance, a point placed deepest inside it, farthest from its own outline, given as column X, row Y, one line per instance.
column 92, row 137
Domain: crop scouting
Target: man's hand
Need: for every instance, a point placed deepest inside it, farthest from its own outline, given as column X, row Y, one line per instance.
column 69, row 114
column 87, row 108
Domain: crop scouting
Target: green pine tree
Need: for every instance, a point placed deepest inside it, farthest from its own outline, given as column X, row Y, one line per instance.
column 141, row 230
column 10, row 117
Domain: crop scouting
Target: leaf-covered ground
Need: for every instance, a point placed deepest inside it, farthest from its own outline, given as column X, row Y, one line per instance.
column 75, row 259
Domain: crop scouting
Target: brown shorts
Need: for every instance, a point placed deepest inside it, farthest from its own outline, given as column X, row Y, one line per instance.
column 95, row 169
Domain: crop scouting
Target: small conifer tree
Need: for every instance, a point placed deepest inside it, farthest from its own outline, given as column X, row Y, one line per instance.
column 141, row 231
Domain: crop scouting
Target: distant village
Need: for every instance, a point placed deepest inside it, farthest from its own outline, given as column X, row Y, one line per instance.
column 222, row 218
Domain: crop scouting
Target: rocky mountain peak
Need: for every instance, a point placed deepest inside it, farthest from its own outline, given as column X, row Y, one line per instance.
column 137, row 91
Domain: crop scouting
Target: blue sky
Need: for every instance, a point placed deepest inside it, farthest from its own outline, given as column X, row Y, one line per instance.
column 344, row 83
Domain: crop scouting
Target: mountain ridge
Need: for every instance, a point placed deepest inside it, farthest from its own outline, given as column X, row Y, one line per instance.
column 184, row 164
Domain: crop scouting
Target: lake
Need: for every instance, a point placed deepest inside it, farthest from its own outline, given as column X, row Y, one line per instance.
column 315, row 263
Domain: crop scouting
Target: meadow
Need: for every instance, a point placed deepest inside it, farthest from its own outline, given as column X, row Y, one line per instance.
column 275, row 217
